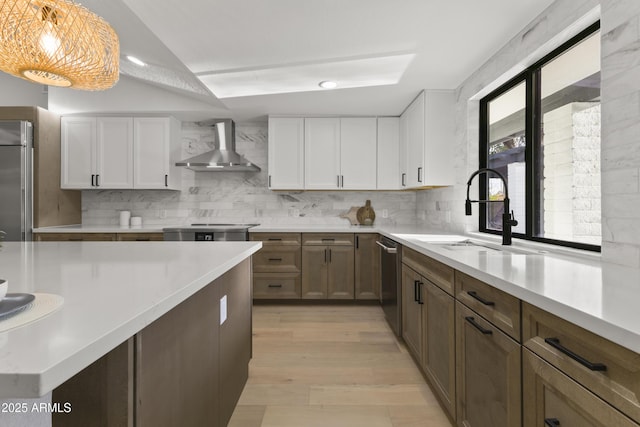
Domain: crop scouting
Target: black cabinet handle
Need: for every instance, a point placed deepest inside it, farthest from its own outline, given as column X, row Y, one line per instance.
column 275, row 259
column 477, row 325
column 329, row 255
column 97, row 180
column 325, row 256
column 329, row 240
column 474, row 295
column 143, row 240
column 93, row 182
column 357, row 242
column 274, row 239
column 551, row 422
column 419, row 174
column 166, row 180
column 415, row 290
column 420, row 285
column 342, row 181
column 338, row 184
column 269, row 180
column 404, row 177
column 555, row 343
column 275, row 285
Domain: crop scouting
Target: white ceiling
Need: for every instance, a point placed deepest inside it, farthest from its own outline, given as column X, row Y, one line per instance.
column 207, row 49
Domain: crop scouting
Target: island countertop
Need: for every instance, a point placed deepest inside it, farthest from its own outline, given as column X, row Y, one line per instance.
column 111, row 291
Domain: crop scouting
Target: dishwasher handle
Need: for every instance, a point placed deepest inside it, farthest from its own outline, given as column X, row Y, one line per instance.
column 387, row 249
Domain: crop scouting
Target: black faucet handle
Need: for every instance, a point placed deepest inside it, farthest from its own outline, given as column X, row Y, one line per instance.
column 467, row 207
column 513, row 220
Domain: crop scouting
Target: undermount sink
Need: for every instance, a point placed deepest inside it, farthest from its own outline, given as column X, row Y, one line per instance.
column 474, row 246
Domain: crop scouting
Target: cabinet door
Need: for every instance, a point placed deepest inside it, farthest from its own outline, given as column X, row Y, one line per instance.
column 322, row 153
column 415, row 142
column 367, row 264
column 388, row 153
column 314, row 272
column 488, row 372
column 439, row 346
column 78, row 152
column 286, row 153
column 177, row 356
column 439, row 128
column 551, row 398
column 411, row 312
column 358, row 153
column 340, row 273
column 402, row 152
column 114, row 152
column 151, row 142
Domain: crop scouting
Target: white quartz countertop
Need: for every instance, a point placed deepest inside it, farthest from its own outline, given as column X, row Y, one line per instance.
column 79, row 228
column 111, row 291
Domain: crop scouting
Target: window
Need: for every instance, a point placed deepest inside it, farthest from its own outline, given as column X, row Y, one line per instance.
column 541, row 131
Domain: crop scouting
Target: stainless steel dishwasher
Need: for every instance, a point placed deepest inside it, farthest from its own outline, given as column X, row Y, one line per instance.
column 391, row 291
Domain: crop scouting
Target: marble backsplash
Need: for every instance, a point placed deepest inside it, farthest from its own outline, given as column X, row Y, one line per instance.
column 239, row 197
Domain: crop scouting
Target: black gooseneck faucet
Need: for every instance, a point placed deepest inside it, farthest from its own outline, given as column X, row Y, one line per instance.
column 508, row 220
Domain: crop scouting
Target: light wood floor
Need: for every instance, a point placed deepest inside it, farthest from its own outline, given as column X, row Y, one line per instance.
column 332, row 366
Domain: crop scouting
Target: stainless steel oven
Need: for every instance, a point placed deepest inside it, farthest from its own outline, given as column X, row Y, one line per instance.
column 391, row 289
column 208, row 233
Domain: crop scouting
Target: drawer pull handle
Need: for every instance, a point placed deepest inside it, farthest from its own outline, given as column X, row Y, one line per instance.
column 415, row 290
column 73, row 239
column 555, row 343
column 274, row 239
column 143, row 240
column 552, row 422
column 420, row 285
column 478, row 326
column 328, row 240
column 474, row 295
column 275, row 259
column 275, row 285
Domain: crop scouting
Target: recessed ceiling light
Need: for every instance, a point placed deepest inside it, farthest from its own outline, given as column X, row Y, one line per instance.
column 136, row 60
column 328, row 84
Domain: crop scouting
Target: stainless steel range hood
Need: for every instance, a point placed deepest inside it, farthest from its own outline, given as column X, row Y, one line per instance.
column 223, row 159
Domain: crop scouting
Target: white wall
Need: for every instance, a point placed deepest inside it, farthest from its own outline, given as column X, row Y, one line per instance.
column 17, row 92
column 620, row 59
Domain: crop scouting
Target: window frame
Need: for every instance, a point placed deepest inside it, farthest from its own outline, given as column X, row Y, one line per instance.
column 533, row 125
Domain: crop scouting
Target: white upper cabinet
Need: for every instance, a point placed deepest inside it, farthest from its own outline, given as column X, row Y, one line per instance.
column 120, row 153
column 114, row 149
column 286, row 153
column 78, row 152
column 358, row 153
column 322, row 153
column 427, row 132
column 388, row 153
column 156, row 147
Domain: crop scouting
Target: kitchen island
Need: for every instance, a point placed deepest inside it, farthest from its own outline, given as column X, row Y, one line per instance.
column 121, row 297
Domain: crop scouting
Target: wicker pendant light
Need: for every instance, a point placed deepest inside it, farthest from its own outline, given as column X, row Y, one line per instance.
column 58, row 43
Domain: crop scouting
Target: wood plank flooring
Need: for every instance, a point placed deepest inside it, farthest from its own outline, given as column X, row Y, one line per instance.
column 332, row 366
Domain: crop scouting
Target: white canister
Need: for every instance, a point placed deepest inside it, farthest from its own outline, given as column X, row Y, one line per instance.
column 124, row 218
column 136, row 221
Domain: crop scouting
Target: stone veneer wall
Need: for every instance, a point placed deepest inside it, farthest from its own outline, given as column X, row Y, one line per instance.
column 239, row 197
column 620, row 152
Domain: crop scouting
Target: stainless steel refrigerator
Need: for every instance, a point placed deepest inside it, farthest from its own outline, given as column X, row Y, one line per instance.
column 16, row 180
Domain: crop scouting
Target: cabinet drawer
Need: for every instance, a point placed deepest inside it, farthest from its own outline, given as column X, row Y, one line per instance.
column 552, row 398
column 327, row 239
column 276, row 285
column 277, row 259
column 500, row 308
column 75, row 237
column 140, row 237
column 276, row 238
column 438, row 273
column 558, row 342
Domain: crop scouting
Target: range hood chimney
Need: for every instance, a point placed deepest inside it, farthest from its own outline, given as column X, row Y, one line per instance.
column 223, row 159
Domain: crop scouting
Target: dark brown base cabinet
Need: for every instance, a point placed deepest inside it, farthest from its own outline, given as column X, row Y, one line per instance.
column 428, row 330
column 551, row 398
column 488, row 373
column 184, row 369
column 367, row 267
